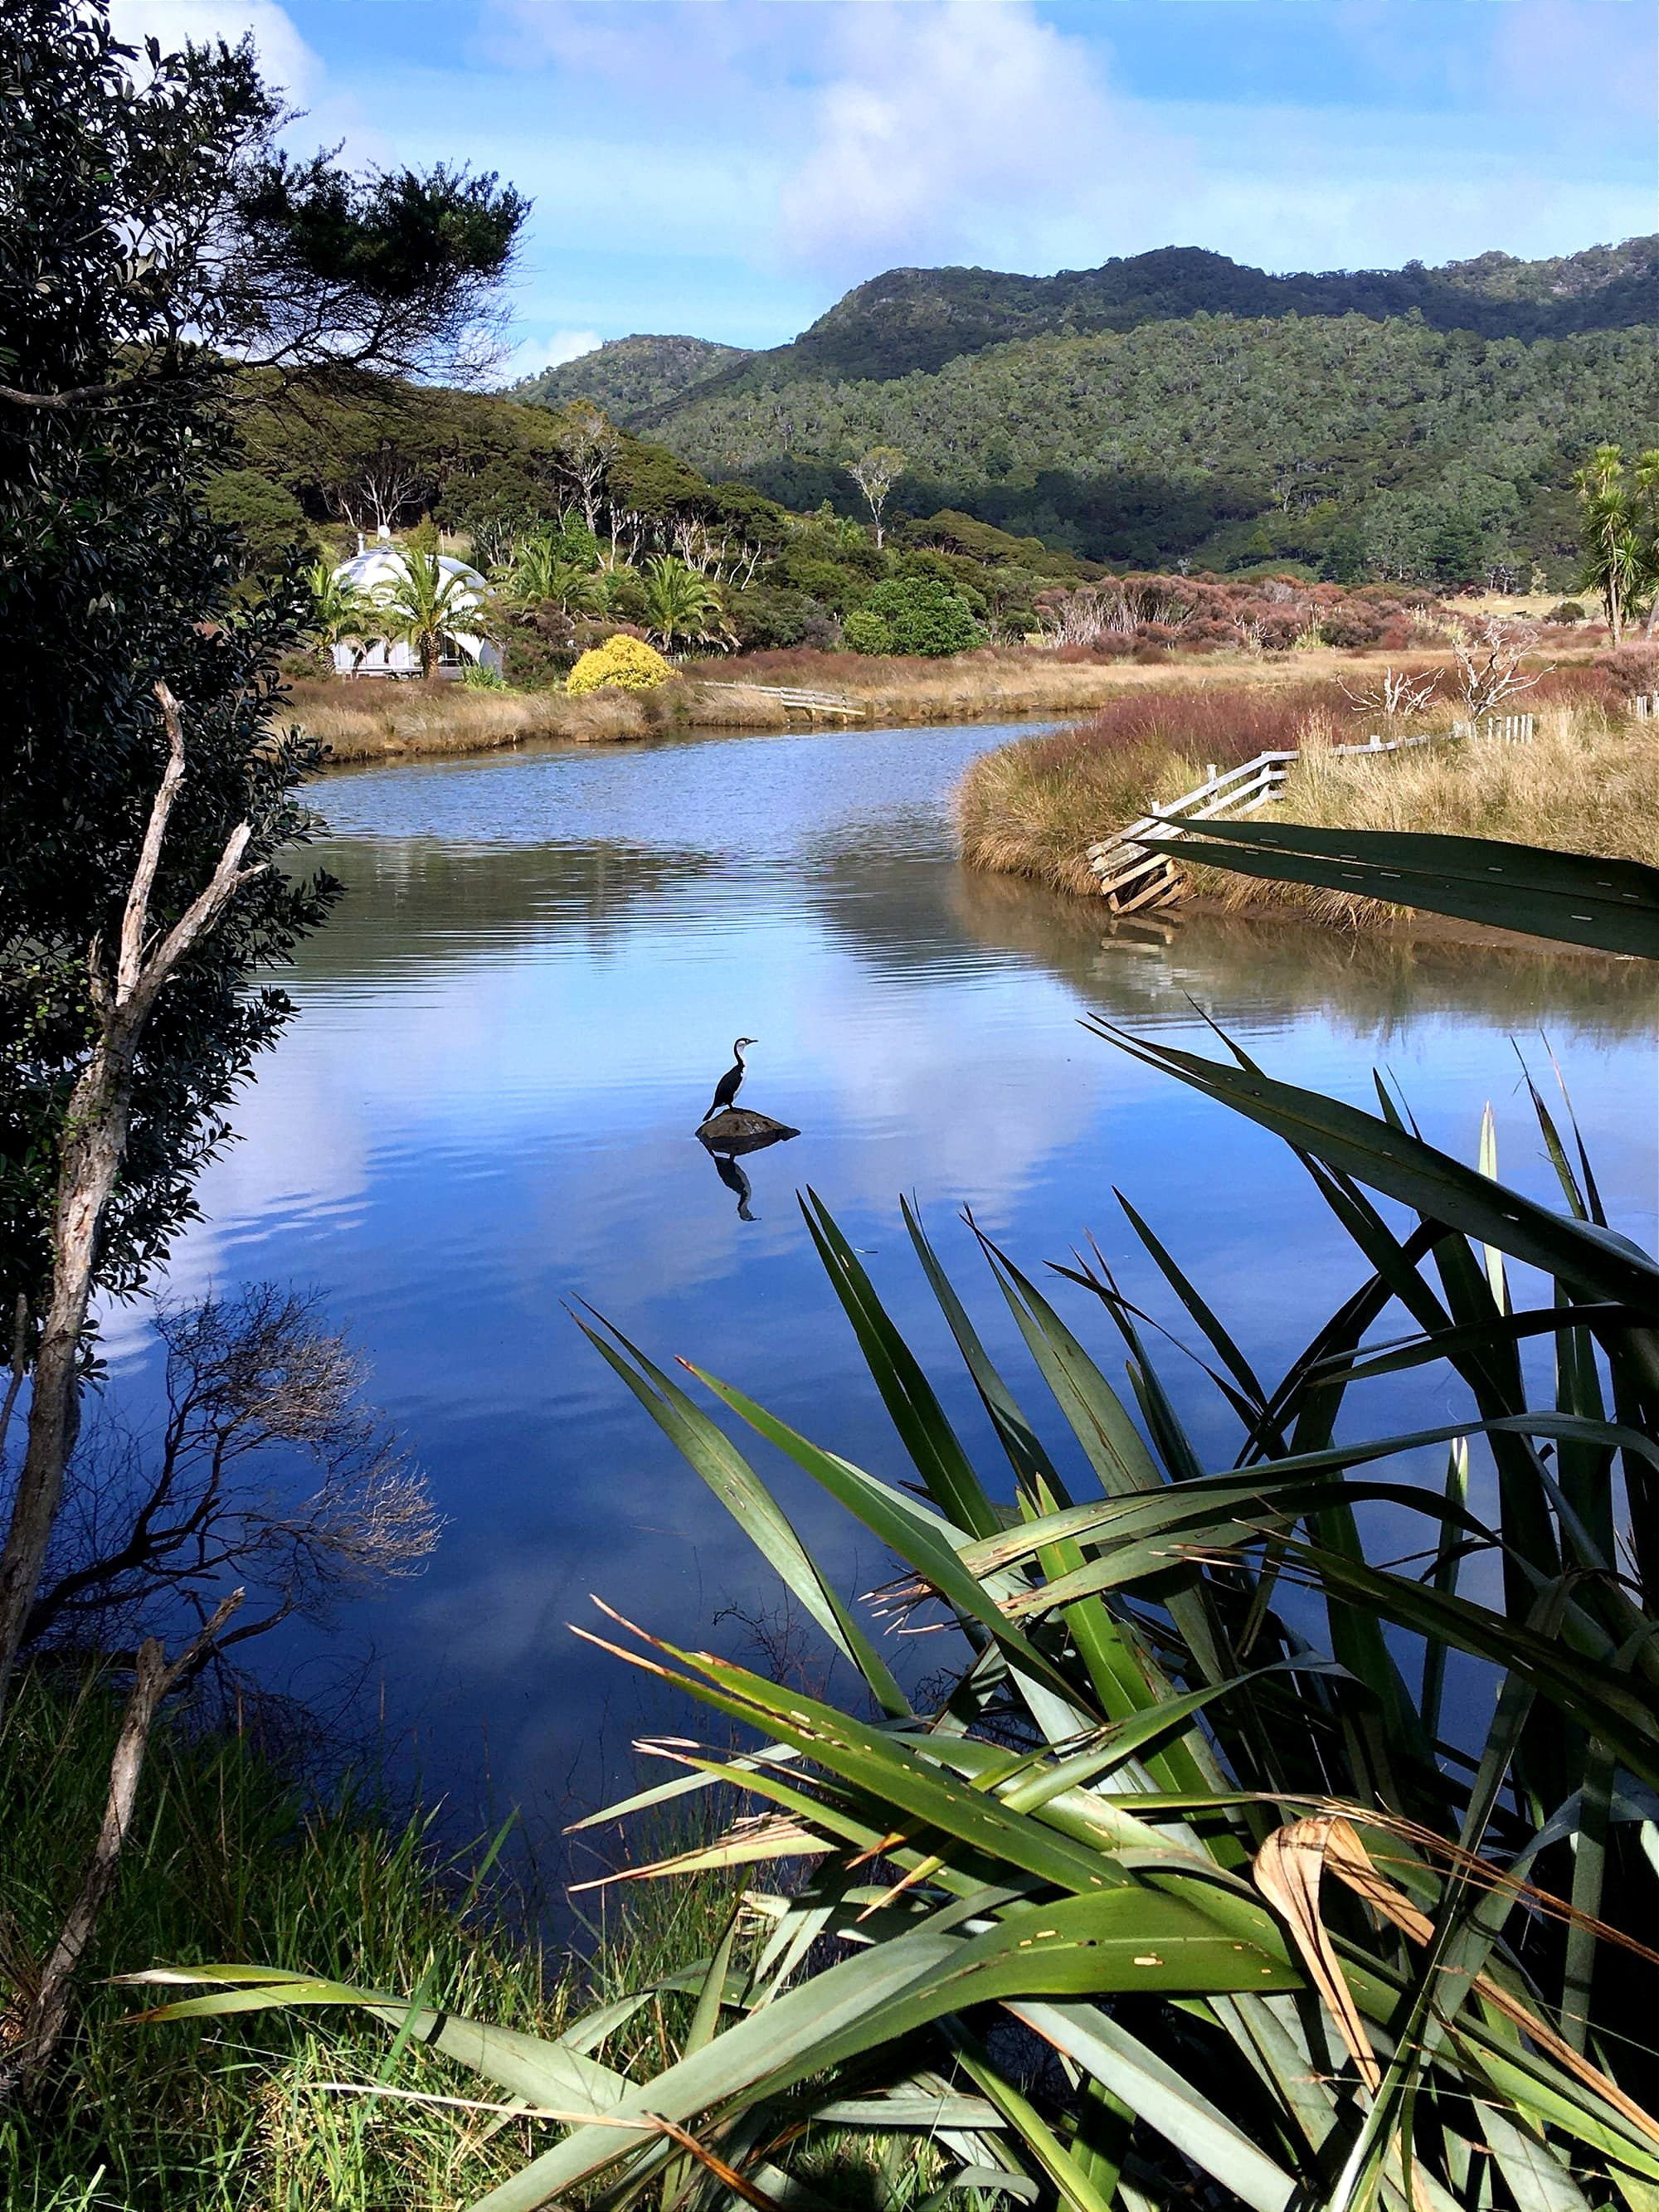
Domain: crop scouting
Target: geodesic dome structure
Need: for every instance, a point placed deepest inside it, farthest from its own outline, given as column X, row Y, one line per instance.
column 375, row 572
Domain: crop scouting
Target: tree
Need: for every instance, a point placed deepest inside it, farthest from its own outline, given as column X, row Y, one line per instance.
column 923, row 615
column 340, row 614
column 427, row 607
column 875, row 475
column 268, row 521
column 541, row 573
column 679, row 602
column 202, row 250
column 154, row 241
column 1646, row 506
column 1490, row 671
column 1614, row 563
column 586, row 445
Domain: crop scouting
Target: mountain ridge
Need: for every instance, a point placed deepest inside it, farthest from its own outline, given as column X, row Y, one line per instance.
column 909, row 320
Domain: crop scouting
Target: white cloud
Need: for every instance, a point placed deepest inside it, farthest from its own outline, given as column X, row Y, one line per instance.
column 288, row 61
column 950, row 129
column 533, row 354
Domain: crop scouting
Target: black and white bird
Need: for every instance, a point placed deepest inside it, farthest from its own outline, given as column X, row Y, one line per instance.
column 732, row 1082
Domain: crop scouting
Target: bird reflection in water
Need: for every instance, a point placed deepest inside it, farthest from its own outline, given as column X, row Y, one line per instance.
column 728, row 1131
column 734, row 1179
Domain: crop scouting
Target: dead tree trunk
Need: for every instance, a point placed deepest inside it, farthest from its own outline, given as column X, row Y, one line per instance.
column 36, row 2030
column 94, row 1145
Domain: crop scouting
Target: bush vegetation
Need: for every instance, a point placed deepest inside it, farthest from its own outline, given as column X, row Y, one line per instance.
column 1269, row 1835
column 620, row 664
column 1034, row 807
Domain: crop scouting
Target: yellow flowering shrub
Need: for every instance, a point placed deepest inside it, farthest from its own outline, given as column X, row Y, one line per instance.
column 628, row 664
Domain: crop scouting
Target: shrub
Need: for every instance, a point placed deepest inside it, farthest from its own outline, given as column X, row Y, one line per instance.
column 924, row 616
column 477, row 678
column 1569, row 610
column 1622, row 676
column 865, row 631
column 621, row 663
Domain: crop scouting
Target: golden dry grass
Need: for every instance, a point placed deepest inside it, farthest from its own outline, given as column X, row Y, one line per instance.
column 368, row 721
column 1588, row 782
column 997, row 685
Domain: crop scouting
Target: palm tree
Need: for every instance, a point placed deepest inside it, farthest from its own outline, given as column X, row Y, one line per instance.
column 426, row 606
column 679, row 602
column 340, row 613
column 540, row 573
column 1614, row 565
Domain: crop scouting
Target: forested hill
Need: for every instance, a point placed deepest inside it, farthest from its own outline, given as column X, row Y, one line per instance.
column 1416, row 422
column 1357, row 448
column 911, row 319
column 628, row 376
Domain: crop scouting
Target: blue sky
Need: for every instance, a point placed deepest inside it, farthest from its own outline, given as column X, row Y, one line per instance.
column 729, row 167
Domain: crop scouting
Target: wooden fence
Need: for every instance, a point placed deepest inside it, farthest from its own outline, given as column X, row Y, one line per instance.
column 1134, row 875
column 1136, row 870
column 795, row 700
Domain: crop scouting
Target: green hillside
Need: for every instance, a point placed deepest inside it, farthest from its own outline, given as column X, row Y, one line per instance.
column 909, row 320
column 628, row 376
column 1417, row 423
column 1358, row 447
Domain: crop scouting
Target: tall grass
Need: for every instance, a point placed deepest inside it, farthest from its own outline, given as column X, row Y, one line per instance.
column 995, row 684
column 1587, row 784
column 1033, row 808
column 232, row 1856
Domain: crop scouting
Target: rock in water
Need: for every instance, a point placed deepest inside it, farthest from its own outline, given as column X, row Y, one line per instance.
column 737, row 1129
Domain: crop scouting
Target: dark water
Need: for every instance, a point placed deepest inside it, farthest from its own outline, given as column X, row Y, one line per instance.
column 510, row 1031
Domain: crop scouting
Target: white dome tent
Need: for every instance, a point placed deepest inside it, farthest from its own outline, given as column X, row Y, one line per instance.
column 375, row 572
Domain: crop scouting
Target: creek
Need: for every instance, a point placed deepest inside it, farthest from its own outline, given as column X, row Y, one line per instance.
column 484, row 1113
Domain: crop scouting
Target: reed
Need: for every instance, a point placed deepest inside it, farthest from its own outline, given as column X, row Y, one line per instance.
column 371, row 722
column 1588, row 782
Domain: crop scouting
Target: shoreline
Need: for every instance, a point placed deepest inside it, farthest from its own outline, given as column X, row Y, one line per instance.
column 361, row 723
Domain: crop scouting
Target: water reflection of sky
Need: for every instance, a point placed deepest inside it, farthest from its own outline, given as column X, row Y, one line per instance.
column 512, row 1027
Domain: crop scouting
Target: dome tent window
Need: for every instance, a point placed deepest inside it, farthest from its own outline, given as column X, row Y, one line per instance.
column 382, row 576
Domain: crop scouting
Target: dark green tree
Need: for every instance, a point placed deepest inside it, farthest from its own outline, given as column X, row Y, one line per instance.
column 269, row 520
column 153, row 241
column 924, row 616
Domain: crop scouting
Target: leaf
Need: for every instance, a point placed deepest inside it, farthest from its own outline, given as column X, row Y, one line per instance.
column 1596, row 1263
column 1611, row 906
column 735, row 1483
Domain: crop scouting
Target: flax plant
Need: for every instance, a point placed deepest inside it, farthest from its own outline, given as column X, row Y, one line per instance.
column 1282, row 1833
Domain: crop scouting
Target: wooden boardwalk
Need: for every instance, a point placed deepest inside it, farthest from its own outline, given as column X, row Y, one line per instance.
column 795, row 698
column 1136, row 870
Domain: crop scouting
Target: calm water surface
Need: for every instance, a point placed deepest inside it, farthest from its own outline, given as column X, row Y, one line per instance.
column 485, row 1112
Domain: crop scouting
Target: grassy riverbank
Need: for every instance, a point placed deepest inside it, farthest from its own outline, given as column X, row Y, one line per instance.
column 234, row 1859
column 370, row 721
column 1588, row 782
